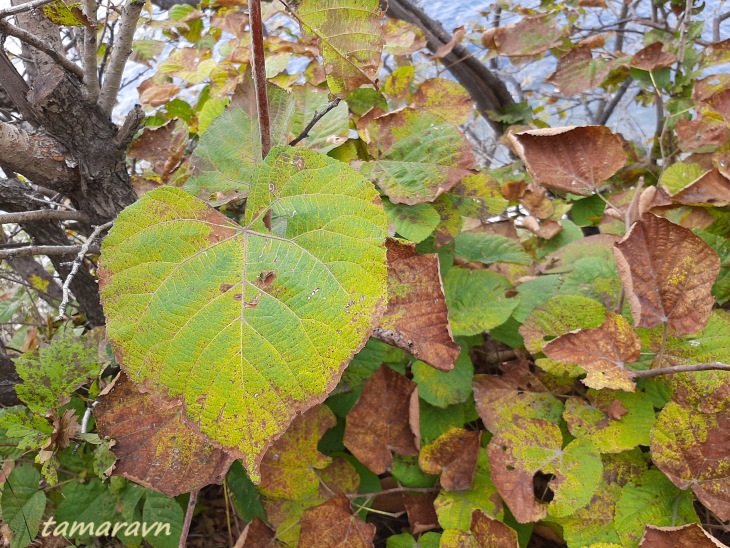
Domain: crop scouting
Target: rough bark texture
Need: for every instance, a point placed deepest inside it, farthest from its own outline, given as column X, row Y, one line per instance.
column 8, row 379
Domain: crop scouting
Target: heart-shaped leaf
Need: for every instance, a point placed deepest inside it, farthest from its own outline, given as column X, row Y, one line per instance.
column 251, row 324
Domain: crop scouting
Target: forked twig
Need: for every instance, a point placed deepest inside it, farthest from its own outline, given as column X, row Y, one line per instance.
column 316, row 118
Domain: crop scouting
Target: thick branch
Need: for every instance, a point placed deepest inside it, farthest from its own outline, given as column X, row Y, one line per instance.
column 46, row 32
column 36, row 156
column 42, row 215
column 673, row 370
column 120, row 53
column 47, row 250
column 21, row 8
column 606, row 113
column 259, row 75
column 31, row 40
column 16, row 88
column 91, row 76
column 8, row 379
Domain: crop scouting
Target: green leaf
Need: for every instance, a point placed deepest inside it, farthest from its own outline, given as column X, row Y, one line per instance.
column 612, row 420
column 245, row 496
column 479, row 196
column 212, row 109
column 476, row 300
column 22, row 504
column 436, row 421
column 251, row 326
column 652, row 499
column 406, row 540
column 721, row 288
column 588, row 211
column 103, row 459
column 407, row 472
column 679, row 175
column 66, row 15
column 230, row 149
column 90, row 503
column 454, row 508
column 52, row 373
column 441, row 388
column 415, row 223
column 490, row 248
column 331, row 130
column 350, row 40
column 167, row 515
column 533, row 293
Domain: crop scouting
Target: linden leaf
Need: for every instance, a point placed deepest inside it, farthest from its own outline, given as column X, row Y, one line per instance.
column 333, row 524
column 350, row 40
column 667, row 272
column 490, row 248
column 416, row 319
column 710, row 189
column 288, row 469
column 532, row 35
column 418, row 156
column 22, row 504
column 571, row 159
column 445, row 99
column 651, row 499
column 603, row 352
column 454, row 456
column 383, row 419
column 488, row 531
column 685, row 536
column 154, row 446
column 331, row 130
column 578, row 71
column 250, row 324
column 476, row 300
column 442, row 389
column 414, row 222
column 693, row 449
column 67, row 15
column 592, row 419
column 528, row 446
column 652, row 57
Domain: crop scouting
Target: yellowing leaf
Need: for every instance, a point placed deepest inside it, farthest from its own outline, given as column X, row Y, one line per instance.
column 603, row 352
column 571, row 159
column 66, row 15
column 250, row 324
column 667, row 272
column 350, row 40
column 454, row 456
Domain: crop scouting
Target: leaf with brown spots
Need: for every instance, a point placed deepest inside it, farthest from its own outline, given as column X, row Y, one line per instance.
column 333, row 524
column 490, row 532
column 381, row 420
column 155, row 445
column 445, row 99
column 693, row 449
column 667, row 272
column 454, row 456
column 603, row 352
column 691, row 535
column 571, row 159
column 416, row 319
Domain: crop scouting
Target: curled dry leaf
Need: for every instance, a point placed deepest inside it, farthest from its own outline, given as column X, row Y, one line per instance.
column 667, row 272
column 458, row 36
column 454, row 456
column 381, row 420
column 416, row 319
column 332, row 524
column 571, row 159
column 691, row 535
column 155, row 446
column 710, row 189
column 546, row 230
column 421, row 513
column 653, row 58
column 603, row 352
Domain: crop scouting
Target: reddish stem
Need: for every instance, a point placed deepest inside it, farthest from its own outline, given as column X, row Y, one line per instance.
column 259, row 75
column 188, row 518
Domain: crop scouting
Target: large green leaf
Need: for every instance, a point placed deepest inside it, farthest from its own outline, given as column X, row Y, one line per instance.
column 490, row 248
column 22, row 504
column 250, row 324
column 350, row 40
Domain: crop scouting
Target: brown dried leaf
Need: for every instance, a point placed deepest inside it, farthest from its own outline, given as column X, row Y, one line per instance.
column 333, row 524
column 536, row 201
column 704, row 134
column 259, row 535
column 530, row 36
column 667, row 272
column 652, row 58
column 454, row 456
column 488, row 531
column 380, row 420
column 444, row 50
column 155, row 446
column 546, row 230
column 416, row 319
column 571, row 159
column 603, row 352
column 156, row 96
column 712, row 188
column 578, row 72
column 691, row 535
column 421, row 512
column 162, row 146
column 616, row 410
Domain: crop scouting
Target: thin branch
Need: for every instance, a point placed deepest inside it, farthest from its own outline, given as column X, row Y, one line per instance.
column 7, row 12
column 259, row 75
column 75, row 267
column 88, row 59
column 188, row 518
column 716, row 26
column 120, row 53
column 47, row 250
column 606, row 113
column 316, row 118
column 394, row 490
column 673, row 370
column 38, row 44
column 42, row 215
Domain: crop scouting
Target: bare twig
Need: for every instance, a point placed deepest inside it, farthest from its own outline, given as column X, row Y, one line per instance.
column 674, row 369
column 75, row 267
column 393, row 491
column 188, row 517
column 48, row 250
column 259, row 75
column 606, row 112
column 684, row 28
column 716, row 26
column 120, row 53
column 38, row 44
column 316, row 118
column 42, row 215
column 20, row 8
column 91, row 77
